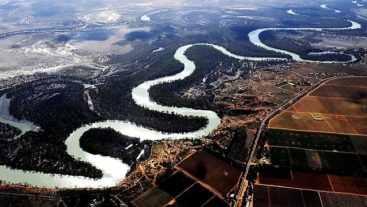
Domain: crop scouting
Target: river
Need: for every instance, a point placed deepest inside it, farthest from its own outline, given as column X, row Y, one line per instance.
column 23, row 125
column 254, row 37
column 114, row 170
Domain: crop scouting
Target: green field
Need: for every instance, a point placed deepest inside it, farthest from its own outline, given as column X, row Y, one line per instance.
column 308, row 140
column 320, row 161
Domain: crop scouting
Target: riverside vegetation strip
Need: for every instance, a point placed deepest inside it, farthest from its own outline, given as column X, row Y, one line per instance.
column 115, row 170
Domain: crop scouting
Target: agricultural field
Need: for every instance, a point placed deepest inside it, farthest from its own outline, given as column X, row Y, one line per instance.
column 268, row 196
column 356, row 81
column 320, row 181
column 314, row 141
column 320, row 138
column 27, row 200
column 323, row 131
column 202, row 179
column 179, row 190
column 201, row 166
column 340, row 163
column 338, row 106
column 294, row 179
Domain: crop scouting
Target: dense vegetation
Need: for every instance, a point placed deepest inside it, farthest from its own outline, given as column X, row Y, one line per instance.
column 108, row 142
column 8, row 132
column 57, row 105
column 38, row 152
column 300, row 47
column 208, row 61
column 114, row 99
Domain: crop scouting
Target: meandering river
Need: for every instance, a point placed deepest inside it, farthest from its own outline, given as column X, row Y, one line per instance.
column 23, row 126
column 114, row 170
column 254, row 37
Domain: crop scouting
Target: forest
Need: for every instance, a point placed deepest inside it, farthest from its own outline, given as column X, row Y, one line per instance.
column 108, row 142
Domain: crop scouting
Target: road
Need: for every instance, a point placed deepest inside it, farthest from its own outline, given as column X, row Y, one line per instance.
column 262, row 128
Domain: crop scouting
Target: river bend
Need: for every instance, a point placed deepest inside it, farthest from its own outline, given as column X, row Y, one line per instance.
column 114, row 170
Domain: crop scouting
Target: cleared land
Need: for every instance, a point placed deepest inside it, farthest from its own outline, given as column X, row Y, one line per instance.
column 338, row 91
column 321, row 161
column 9, row 199
column 297, row 179
column 314, row 181
column 338, row 106
column 268, row 196
column 153, row 198
column 211, row 171
column 318, row 146
column 181, row 191
column 349, row 81
column 315, row 141
column 349, row 184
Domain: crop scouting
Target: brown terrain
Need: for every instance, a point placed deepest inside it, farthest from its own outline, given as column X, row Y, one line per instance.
column 248, row 100
column 330, row 108
column 337, row 108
